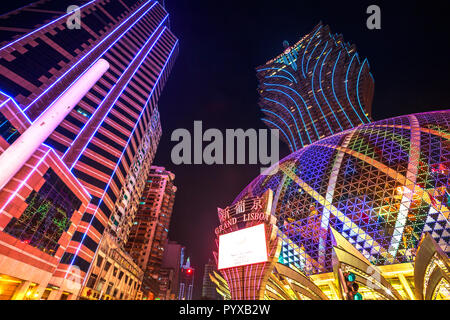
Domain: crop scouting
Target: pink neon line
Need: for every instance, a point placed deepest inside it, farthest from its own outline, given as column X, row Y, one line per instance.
column 248, row 280
column 24, row 181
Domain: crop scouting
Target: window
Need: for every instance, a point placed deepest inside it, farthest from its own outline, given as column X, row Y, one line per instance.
column 47, row 215
column 91, row 281
column 99, row 261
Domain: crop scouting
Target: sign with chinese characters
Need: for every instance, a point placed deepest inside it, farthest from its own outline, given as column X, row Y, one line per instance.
column 244, row 212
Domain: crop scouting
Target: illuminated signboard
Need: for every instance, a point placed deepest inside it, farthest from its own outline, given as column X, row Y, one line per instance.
column 243, row 247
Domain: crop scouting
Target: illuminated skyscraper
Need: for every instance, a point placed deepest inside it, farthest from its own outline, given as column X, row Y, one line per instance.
column 315, row 88
column 150, row 228
column 186, row 287
column 79, row 125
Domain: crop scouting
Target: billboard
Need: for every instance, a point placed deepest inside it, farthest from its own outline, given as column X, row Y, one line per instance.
column 243, row 247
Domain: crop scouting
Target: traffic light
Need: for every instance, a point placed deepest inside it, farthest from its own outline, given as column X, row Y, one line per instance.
column 352, row 286
column 189, row 271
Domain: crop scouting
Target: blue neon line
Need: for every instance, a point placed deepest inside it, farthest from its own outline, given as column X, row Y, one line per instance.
column 321, row 88
column 279, row 69
column 277, row 76
column 287, row 138
column 293, row 139
column 334, row 92
column 298, row 109
column 34, row 31
column 304, row 51
column 346, row 87
column 314, row 94
column 118, row 96
column 17, row 105
column 298, row 94
column 312, row 52
column 85, row 56
column 357, row 90
column 293, row 118
column 274, row 101
column 123, row 152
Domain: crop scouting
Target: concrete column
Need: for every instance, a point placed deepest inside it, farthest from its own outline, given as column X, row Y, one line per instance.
column 23, row 148
column 21, row 290
column 55, row 294
column 38, row 291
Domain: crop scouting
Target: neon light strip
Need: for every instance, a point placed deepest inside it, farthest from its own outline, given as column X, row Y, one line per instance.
column 395, row 175
column 292, row 149
column 312, row 52
column 293, row 118
column 357, row 89
column 306, row 107
column 277, row 76
column 306, row 48
column 117, row 164
column 407, row 195
column 112, row 89
column 17, row 105
column 84, row 57
column 278, row 69
column 334, row 92
column 287, row 126
column 78, row 183
column 298, row 109
column 346, row 87
column 313, row 91
column 348, row 223
column 321, row 89
column 29, row 34
column 332, row 181
column 24, row 181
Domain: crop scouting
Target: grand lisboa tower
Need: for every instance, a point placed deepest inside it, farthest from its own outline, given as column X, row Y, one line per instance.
column 370, row 201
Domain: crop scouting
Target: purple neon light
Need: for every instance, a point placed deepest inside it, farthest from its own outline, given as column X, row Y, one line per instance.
column 84, row 57
column 118, row 96
column 44, row 26
column 70, row 172
column 17, row 105
column 115, row 169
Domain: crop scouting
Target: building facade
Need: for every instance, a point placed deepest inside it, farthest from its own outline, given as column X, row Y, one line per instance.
column 150, row 228
column 186, row 285
column 362, row 202
column 209, row 291
column 169, row 274
column 108, row 61
column 315, row 88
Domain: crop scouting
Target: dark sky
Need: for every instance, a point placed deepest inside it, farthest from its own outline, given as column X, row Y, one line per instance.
column 221, row 43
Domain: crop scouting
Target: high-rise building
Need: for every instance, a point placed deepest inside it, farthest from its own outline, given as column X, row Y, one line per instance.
column 209, row 287
column 315, row 88
column 173, row 260
column 151, row 225
column 186, row 286
column 79, row 125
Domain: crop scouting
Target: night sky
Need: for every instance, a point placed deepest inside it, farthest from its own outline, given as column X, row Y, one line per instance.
column 214, row 80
